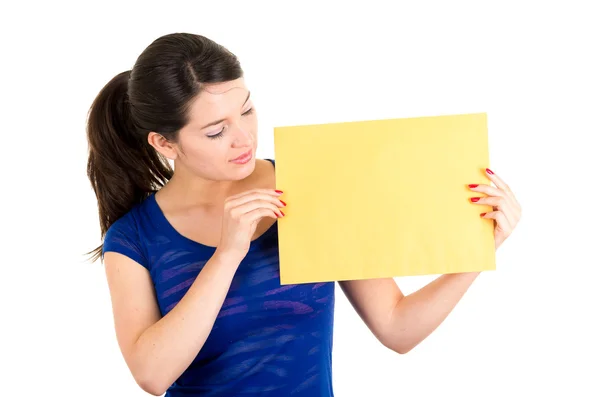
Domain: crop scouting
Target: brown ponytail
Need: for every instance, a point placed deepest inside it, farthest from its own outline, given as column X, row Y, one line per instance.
column 122, row 167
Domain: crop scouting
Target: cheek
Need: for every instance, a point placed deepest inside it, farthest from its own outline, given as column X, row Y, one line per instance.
column 206, row 160
column 250, row 123
column 198, row 152
column 212, row 152
column 252, row 128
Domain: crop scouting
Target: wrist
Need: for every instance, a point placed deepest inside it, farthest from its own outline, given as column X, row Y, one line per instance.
column 228, row 256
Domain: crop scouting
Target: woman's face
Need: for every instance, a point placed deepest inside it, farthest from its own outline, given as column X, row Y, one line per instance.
column 219, row 141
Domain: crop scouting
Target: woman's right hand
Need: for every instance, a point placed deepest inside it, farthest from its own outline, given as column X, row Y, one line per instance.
column 241, row 215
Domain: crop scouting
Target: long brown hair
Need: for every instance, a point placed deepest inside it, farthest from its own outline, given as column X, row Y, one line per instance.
column 155, row 95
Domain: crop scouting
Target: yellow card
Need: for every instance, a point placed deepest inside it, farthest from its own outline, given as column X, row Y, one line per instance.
column 383, row 198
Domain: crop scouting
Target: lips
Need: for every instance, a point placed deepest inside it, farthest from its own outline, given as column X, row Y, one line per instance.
column 243, row 158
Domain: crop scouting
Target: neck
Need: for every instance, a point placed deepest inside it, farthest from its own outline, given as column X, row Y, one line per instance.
column 191, row 192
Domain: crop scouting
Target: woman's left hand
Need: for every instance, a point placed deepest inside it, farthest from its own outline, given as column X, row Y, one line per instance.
column 506, row 209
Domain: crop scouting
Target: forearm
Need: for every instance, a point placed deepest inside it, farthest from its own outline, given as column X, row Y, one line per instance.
column 166, row 349
column 417, row 315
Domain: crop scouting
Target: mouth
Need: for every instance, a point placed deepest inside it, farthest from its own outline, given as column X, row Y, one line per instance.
column 243, row 159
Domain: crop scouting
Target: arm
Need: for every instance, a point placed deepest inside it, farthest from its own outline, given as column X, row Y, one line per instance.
column 158, row 350
column 401, row 322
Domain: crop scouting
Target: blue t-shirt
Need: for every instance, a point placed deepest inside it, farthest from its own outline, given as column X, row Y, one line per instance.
column 268, row 339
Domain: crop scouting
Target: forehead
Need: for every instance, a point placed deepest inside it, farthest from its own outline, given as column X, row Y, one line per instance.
column 220, row 97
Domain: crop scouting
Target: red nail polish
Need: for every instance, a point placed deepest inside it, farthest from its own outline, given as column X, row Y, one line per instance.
column 474, row 199
column 473, row 185
column 482, row 214
column 282, row 213
column 278, row 191
column 489, row 171
column 283, row 202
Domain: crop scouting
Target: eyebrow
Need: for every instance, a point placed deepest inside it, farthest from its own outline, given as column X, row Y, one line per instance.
column 221, row 120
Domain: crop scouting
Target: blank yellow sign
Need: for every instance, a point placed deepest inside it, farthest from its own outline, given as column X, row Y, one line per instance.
column 383, row 198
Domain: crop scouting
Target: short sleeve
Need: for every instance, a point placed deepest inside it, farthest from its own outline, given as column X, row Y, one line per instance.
column 123, row 237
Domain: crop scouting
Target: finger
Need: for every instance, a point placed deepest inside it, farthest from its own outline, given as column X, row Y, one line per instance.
column 253, row 192
column 487, row 189
column 501, row 204
column 259, row 213
column 253, row 197
column 501, row 222
column 271, row 192
column 250, row 206
column 502, row 185
column 493, row 191
column 497, row 180
column 492, row 201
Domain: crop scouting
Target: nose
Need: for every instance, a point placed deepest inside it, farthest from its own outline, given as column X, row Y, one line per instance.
column 242, row 136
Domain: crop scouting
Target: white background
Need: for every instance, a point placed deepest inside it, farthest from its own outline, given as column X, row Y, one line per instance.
column 528, row 328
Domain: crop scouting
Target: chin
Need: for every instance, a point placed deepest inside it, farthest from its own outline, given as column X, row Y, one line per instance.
column 242, row 171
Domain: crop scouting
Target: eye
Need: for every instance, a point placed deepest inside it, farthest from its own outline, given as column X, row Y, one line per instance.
column 217, row 135
column 220, row 133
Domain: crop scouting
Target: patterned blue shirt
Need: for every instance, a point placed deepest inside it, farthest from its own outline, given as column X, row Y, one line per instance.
column 268, row 339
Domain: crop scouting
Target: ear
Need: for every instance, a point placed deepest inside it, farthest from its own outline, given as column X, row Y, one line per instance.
column 162, row 145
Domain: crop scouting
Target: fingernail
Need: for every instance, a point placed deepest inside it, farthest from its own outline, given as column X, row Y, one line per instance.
column 277, row 215
column 283, row 202
column 474, row 199
column 278, row 191
column 473, row 185
column 482, row 214
column 489, row 171
column 282, row 213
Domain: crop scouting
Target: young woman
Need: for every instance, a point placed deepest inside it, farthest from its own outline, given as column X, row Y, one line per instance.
column 191, row 254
